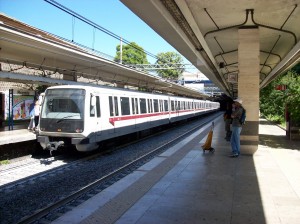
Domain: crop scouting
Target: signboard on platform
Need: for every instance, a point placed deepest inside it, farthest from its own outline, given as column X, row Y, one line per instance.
column 232, row 78
column 21, row 102
column 280, row 87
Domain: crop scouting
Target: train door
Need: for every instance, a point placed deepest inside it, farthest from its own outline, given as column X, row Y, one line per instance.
column 143, row 111
column 178, row 107
column 113, row 113
column 134, row 110
column 150, row 111
column 95, row 123
column 168, row 107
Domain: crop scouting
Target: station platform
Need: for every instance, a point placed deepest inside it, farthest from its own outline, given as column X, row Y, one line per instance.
column 185, row 185
column 20, row 133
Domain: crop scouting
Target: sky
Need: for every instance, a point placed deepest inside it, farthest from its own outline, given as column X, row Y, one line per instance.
column 110, row 14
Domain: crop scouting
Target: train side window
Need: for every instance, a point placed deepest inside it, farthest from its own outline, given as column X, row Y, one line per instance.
column 98, row 106
column 161, row 105
column 111, row 106
column 92, row 107
column 143, row 106
column 147, row 106
column 172, row 105
column 125, row 109
column 116, row 106
column 134, row 106
column 150, row 107
column 155, row 105
column 166, row 105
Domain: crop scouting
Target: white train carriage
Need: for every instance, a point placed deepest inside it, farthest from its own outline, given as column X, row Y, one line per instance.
column 85, row 115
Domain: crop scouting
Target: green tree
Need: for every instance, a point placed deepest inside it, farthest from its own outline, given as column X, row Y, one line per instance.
column 273, row 102
column 170, row 58
column 131, row 54
column 272, row 109
column 292, row 94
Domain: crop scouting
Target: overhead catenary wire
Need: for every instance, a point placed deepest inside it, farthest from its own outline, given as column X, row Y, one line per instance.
column 96, row 26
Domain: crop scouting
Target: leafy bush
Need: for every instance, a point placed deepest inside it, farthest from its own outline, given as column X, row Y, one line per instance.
column 273, row 102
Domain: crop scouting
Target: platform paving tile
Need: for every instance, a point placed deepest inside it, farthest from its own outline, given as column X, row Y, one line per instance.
column 186, row 185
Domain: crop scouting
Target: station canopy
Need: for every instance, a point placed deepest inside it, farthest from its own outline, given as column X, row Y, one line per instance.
column 206, row 33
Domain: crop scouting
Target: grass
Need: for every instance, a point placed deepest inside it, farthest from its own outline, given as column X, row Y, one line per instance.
column 4, row 162
column 276, row 119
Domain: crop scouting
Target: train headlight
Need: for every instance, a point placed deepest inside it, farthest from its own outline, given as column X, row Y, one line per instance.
column 78, row 130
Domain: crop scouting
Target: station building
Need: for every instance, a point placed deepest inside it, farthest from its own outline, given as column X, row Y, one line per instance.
column 199, row 82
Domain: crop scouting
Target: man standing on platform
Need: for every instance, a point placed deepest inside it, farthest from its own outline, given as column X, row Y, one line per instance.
column 31, row 125
column 36, row 114
column 236, row 127
column 228, row 120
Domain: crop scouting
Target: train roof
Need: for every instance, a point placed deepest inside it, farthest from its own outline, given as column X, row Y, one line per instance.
column 97, row 87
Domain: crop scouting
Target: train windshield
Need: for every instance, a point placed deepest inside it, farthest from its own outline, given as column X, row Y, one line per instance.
column 63, row 104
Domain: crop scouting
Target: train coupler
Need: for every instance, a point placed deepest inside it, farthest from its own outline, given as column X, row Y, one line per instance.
column 52, row 146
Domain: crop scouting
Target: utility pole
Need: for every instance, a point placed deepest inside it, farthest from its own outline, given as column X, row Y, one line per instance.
column 120, row 50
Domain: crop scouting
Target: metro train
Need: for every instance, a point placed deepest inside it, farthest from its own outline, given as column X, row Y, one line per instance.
column 85, row 115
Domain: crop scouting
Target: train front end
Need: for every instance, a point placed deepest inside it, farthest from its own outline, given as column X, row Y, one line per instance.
column 61, row 117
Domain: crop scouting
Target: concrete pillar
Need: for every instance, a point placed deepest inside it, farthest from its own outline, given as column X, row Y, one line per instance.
column 248, row 86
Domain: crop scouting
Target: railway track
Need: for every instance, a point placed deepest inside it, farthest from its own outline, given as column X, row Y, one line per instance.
column 30, row 169
column 66, row 202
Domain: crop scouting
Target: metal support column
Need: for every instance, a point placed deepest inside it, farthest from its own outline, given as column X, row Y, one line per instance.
column 10, row 109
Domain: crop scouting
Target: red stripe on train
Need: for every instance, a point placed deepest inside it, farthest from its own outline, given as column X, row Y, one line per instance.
column 112, row 120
